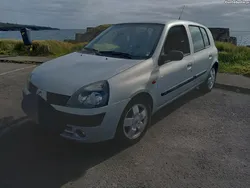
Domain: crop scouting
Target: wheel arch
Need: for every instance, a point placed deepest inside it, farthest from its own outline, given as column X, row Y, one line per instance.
column 216, row 66
column 145, row 95
column 137, row 96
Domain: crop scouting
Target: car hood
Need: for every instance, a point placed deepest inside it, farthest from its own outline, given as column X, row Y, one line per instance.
column 66, row 74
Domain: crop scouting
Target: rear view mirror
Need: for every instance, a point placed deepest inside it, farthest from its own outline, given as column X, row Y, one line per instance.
column 173, row 55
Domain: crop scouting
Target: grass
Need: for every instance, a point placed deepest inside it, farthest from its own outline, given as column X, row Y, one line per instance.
column 40, row 48
column 234, row 59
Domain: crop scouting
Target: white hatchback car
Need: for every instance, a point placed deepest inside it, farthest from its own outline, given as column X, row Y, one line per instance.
column 111, row 88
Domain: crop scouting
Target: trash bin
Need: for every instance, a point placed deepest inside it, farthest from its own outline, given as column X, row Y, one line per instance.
column 26, row 36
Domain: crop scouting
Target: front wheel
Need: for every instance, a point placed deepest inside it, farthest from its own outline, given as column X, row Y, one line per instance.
column 134, row 122
column 208, row 85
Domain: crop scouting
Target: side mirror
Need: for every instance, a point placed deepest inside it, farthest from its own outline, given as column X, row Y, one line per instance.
column 173, row 55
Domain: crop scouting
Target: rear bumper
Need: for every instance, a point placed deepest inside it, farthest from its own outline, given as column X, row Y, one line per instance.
column 83, row 125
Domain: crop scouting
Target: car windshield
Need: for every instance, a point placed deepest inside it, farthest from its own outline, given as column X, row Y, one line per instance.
column 133, row 41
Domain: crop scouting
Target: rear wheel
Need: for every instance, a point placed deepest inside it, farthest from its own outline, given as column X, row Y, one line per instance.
column 208, row 85
column 134, row 122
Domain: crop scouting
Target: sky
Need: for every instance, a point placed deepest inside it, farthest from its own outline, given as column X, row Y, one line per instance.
column 79, row 14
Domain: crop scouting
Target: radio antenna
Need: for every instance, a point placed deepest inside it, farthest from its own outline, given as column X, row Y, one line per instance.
column 181, row 12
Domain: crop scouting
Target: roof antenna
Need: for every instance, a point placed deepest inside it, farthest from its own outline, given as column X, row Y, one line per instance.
column 181, row 12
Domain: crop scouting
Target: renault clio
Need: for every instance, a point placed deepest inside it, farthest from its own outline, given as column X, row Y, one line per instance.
column 112, row 87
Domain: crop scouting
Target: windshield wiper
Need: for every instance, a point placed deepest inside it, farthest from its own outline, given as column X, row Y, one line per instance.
column 119, row 54
column 109, row 53
column 97, row 52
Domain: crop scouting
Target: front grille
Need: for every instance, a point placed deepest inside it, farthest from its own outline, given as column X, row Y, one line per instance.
column 52, row 98
column 32, row 88
column 57, row 99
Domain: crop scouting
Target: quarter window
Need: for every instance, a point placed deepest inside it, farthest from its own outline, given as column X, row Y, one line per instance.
column 205, row 37
column 177, row 39
column 197, row 38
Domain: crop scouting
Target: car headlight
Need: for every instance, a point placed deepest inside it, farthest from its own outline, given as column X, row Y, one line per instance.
column 91, row 96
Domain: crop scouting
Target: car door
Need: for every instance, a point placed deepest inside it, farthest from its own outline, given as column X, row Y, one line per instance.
column 201, row 52
column 175, row 77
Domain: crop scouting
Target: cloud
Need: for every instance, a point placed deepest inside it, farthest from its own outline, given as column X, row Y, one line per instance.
column 83, row 13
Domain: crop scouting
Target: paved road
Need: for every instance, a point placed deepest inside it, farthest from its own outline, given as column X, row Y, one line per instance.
column 27, row 59
column 198, row 141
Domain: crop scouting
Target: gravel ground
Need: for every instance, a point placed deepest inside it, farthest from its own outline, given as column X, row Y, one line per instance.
column 197, row 141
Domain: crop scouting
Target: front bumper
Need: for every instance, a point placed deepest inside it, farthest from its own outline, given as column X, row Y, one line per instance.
column 83, row 125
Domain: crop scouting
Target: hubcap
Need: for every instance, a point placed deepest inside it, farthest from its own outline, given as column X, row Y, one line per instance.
column 135, row 121
column 211, row 79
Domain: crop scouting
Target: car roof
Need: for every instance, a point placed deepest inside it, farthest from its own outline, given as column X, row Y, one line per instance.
column 166, row 22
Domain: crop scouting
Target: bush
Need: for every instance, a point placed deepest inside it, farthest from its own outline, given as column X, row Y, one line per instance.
column 40, row 48
column 7, row 46
column 234, row 59
column 225, row 47
column 229, row 53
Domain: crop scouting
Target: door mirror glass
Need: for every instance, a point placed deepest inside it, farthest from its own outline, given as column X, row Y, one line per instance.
column 173, row 55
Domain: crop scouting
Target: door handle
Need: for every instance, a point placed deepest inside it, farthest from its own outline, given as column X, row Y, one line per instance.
column 210, row 56
column 189, row 66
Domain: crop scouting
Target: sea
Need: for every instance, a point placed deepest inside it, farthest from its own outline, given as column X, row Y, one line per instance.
column 61, row 35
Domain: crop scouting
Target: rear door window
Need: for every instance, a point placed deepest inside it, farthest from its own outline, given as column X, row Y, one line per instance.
column 197, row 38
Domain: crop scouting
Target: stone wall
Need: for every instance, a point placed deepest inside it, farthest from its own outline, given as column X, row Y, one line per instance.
column 91, row 32
column 220, row 34
column 83, row 37
column 89, row 29
column 223, row 35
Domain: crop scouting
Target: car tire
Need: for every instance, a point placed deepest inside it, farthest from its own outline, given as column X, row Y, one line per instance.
column 134, row 122
column 208, row 85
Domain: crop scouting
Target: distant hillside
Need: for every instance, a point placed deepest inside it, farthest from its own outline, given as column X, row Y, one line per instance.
column 17, row 27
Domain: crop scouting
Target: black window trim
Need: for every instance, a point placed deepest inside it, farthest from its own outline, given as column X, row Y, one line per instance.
column 201, row 36
column 185, row 55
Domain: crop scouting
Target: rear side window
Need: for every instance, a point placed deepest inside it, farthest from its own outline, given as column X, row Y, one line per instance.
column 197, row 38
column 205, row 37
column 177, row 39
